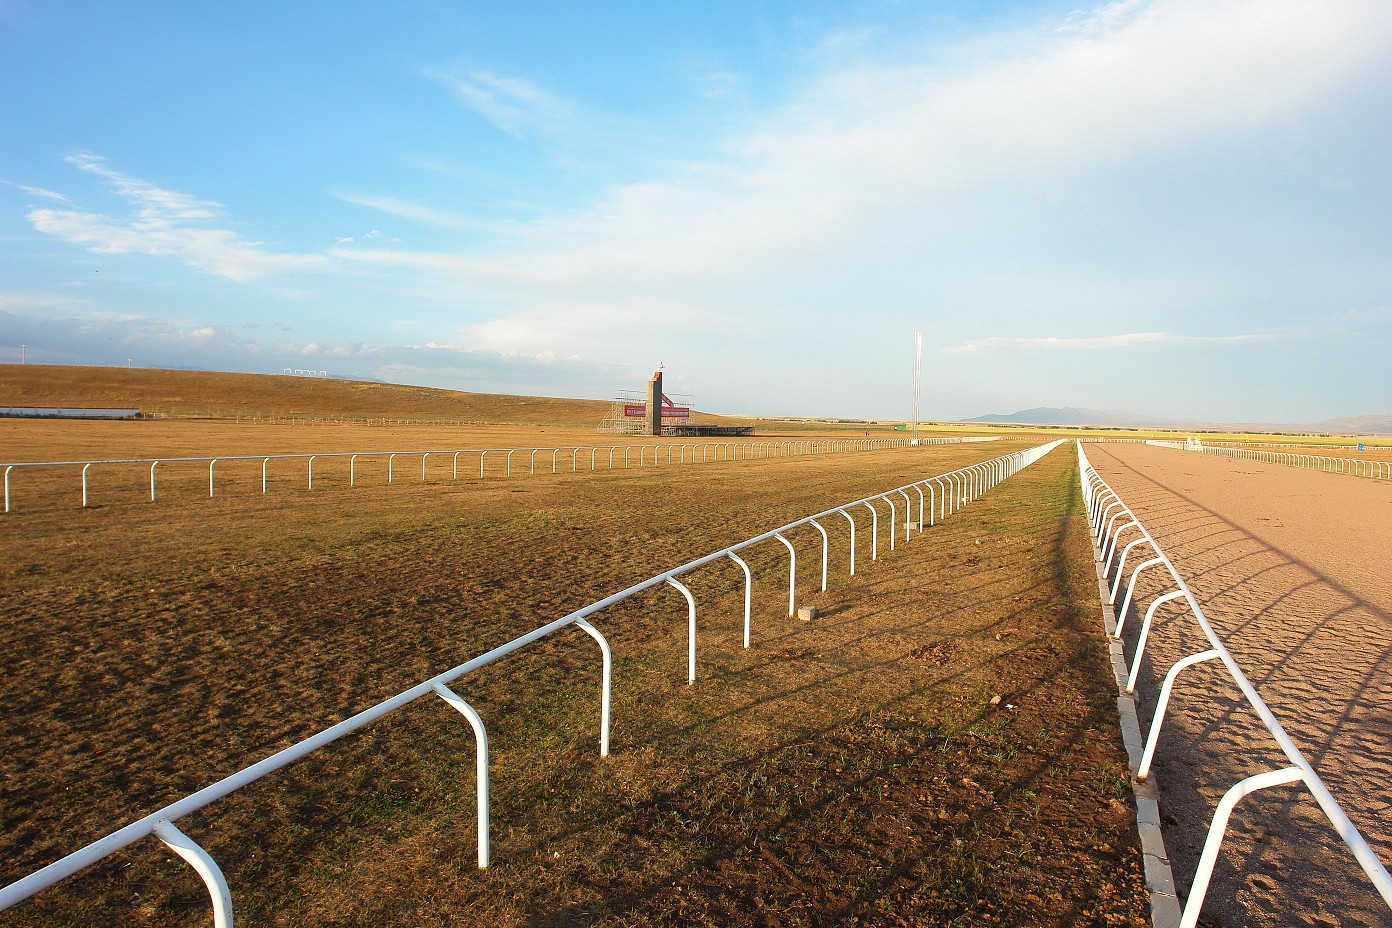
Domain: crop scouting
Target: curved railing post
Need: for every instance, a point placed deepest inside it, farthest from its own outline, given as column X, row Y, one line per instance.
column 1121, row 568
column 1113, row 538
column 792, row 573
column 1102, row 520
column 311, row 475
column 211, row 465
column 481, row 766
column 152, row 485
column 1107, row 531
column 690, row 630
column 874, row 531
column 908, row 515
column 1162, row 706
column 1130, row 589
column 391, row 458
column 748, row 592
column 852, row 521
column 1145, row 633
column 7, row 486
column 1218, row 829
column 204, row 865
column 456, row 465
column 509, row 461
column 352, row 470
column 826, row 550
column 606, row 679
column 423, row 457
column 891, row 519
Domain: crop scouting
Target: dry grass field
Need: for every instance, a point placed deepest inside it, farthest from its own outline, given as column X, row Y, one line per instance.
column 854, row 770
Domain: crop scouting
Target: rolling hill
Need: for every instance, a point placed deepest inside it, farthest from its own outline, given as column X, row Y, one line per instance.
column 186, row 393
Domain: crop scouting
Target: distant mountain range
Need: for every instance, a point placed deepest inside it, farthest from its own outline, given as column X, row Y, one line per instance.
column 1380, row 424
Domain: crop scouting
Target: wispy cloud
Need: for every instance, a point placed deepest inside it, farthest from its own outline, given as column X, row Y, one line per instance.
column 44, row 194
column 165, row 223
column 421, row 213
column 1098, row 343
column 513, row 104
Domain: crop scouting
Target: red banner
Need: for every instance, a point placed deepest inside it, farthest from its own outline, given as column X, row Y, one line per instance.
column 640, row 411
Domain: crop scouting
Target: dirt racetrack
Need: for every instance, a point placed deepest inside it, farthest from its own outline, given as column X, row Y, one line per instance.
column 1291, row 568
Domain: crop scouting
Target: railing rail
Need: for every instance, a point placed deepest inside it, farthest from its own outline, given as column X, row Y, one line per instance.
column 747, row 451
column 1356, row 467
column 1101, row 499
column 160, row 822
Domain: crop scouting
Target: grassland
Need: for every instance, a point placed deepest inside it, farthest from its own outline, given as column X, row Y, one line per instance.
column 854, row 770
column 223, row 395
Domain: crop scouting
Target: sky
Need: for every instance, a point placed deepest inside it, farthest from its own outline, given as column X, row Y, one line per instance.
column 1178, row 208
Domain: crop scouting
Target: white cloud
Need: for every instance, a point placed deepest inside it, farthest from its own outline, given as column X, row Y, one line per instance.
column 868, row 152
column 1097, row 343
column 165, row 223
column 513, row 104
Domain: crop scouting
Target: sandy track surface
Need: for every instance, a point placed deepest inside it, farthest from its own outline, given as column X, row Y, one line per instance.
column 1291, row 567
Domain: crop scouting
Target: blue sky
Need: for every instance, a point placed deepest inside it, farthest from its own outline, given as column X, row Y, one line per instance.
column 1179, row 207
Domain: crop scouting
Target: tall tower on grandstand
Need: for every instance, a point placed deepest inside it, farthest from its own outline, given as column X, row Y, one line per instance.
column 648, row 411
column 654, row 417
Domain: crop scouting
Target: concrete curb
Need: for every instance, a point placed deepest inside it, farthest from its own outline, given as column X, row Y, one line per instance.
column 1165, row 909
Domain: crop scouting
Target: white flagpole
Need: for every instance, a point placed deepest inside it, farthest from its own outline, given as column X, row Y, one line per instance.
column 918, row 357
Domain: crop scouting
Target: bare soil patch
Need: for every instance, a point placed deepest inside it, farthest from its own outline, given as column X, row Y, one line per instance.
column 1290, row 566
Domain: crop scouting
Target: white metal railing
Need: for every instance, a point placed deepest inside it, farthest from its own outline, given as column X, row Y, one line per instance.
column 607, row 457
column 1325, row 446
column 960, row 487
column 1110, row 518
column 1376, row 470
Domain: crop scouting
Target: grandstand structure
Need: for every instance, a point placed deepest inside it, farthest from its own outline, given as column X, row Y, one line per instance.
column 653, row 412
